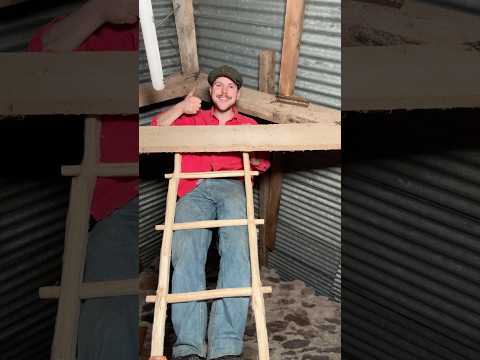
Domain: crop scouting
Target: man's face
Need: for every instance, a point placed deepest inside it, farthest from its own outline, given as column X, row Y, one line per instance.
column 224, row 93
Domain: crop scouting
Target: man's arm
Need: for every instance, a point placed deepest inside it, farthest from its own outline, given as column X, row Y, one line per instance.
column 190, row 105
column 69, row 33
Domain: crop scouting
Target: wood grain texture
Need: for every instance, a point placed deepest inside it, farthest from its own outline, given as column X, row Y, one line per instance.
column 277, row 137
column 68, row 83
column 207, row 224
column 209, row 294
column 410, row 77
column 76, row 237
column 292, row 38
column 187, row 41
column 266, row 71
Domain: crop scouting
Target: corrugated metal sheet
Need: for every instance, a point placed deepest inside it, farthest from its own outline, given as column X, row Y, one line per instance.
column 234, row 32
column 308, row 240
column 32, row 229
column 167, row 41
column 18, row 23
column 411, row 256
column 153, row 197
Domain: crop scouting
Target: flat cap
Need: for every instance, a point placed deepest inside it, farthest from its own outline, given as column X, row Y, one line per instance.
column 226, row 71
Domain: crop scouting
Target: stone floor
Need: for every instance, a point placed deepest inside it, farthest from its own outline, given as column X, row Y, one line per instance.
column 301, row 325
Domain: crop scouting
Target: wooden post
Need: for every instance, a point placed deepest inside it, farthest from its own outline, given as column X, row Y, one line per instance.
column 258, row 305
column 76, row 238
column 291, row 46
column 266, row 75
column 187, row 42
column 273, row 201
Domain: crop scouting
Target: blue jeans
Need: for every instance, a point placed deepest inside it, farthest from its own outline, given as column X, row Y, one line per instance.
column 108, row 328
column 211, row 199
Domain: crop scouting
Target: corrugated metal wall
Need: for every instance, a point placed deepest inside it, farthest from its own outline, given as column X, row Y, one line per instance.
column 411, row 255
column 234, row 32
column 32, row 229
column 18, row 23
column 308, row 241
column 167, row 41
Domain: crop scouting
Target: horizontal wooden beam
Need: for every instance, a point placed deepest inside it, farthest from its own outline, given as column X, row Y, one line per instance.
column 96, row 289
column 209, row 294
column 251, row 102
column 277, row 137
column 410, row 77
column 68, row 83
column 212, row 174
column 176, row 86
column 208, row 224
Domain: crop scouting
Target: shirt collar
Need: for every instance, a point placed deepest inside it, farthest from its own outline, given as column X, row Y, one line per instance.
column 234, row 117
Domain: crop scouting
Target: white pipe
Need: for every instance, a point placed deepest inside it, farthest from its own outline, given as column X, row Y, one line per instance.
column 147, row 22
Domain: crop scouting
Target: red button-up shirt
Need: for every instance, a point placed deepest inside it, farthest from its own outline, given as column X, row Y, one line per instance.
column 201, row 162
column 119, row 134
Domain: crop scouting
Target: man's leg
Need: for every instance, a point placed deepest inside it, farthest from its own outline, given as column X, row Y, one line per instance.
column 108, row 327
column 189, row 253
column 229, row 315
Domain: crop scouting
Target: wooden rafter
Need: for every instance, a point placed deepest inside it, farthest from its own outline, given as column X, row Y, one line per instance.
column 277, row 137
column 251, row 102
column 187, row 41
column 68, row 83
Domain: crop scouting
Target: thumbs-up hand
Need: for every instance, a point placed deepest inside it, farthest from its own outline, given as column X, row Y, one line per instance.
column 191, row 104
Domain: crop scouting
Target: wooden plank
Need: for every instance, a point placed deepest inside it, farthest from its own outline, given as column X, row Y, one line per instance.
column 105, row 169
column 68, row 83
column 207, row 224
column 410, row 77
column 176, row 86
column 292, row 37
column 160, row 314
column 273, row 201
column 96, row 289
column 277, row 137
column 258, row 305
column 251, row 102
column 212, row 174
column 266, row 71
column 187, row 41
column 76, row 237
column 209, row 294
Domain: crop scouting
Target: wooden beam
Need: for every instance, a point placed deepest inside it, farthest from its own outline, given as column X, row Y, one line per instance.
column 273, row 201
column 68, row 83
column 410, row 77
column 266, row 71
column 292, row 38
column 176, row 86
column 187, row 41
column 251, row 102
column 208, row 224
column 266, row 83
column 209, row 294
column 284, row 137
column 105, row 170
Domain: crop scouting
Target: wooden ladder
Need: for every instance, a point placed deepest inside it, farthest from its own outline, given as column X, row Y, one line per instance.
column 73, row 289
column 256, row 291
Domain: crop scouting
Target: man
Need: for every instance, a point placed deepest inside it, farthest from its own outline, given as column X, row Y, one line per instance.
column 108, row 327
column 205, row 200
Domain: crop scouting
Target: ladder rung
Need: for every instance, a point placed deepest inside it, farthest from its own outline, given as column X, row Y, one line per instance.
column 211, row 174
column 206, row 224
column 104, row 169
column 209, row 294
